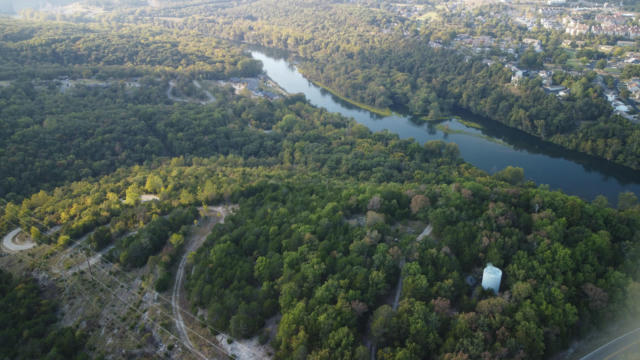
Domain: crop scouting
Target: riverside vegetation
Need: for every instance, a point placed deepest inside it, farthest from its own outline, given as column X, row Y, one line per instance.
column 372, row 56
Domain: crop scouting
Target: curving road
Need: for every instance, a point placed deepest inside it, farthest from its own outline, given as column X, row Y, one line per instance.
column 9, row 244
column 210, row 98
column 172, row 85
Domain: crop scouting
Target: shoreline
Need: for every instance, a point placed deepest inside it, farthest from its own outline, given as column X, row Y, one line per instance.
column 382, row 112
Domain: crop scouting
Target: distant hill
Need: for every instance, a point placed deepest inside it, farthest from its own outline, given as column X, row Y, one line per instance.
column 15, row 6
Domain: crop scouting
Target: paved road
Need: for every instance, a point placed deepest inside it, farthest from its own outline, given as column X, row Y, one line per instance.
column 8, row 242
column 626, row 346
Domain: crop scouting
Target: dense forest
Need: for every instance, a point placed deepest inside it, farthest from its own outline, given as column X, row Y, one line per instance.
column 121, row 117
column 376, row 58
column 50, row 50
column 290, row 251
column 329, row 212
column 325, row 251
column 28, row 327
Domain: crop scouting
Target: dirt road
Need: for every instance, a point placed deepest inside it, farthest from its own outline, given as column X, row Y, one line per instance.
column 215, row 215
column 91, row 261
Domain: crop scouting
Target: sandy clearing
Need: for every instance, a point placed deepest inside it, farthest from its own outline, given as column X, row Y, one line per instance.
column 148, row 197
column 9, row 244
column 249, row 349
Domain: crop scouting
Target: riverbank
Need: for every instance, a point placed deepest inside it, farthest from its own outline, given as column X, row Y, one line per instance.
column 436, row 121
column 382, row 112
column 581, row 139
column 562, row 140
column 486, row 144
column 447, row 130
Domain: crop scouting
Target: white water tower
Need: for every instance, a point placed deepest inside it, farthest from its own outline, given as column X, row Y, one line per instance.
column 491, row 278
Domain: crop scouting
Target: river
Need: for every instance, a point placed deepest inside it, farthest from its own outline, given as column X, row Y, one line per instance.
column 491, row 147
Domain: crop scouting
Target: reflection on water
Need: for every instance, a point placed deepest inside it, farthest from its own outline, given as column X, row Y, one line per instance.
column 491, row 148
